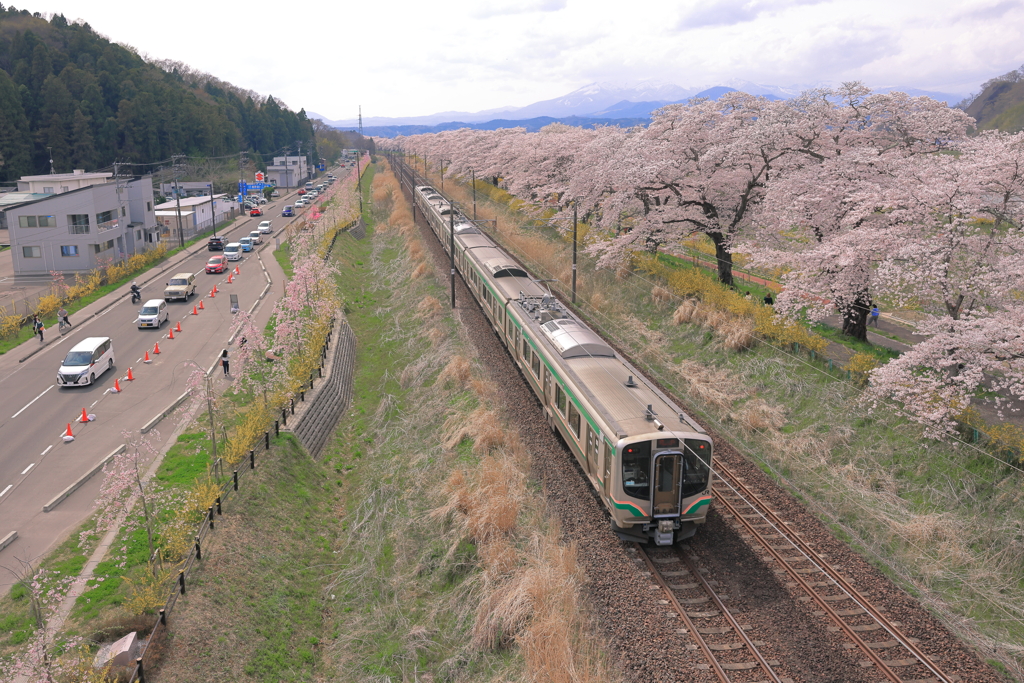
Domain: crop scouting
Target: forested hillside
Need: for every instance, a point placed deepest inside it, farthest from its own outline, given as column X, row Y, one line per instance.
column 1000, row 105
column 93, row 102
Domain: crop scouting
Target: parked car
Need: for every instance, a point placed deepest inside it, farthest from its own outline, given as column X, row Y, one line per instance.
column 287, row 210
column 256, row 211
column 275, row 193
column 233, row 251
column 245, row 243
column 85, row 361
column 265, row 228
column 181, row 286
column 256, row 236
column 217, row 264
column 154, row 312
column 216, row 243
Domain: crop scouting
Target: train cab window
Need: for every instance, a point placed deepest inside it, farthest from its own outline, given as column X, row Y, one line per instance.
column 560, row 399
column 574, row 420
column 535, row 363
column 696, row 466
column 636, row 470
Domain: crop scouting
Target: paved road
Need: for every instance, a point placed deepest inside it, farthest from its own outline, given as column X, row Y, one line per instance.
column 35, row 463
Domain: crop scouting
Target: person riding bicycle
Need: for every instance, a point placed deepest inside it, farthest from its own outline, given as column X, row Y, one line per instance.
column 136, row 293
column 62, row 315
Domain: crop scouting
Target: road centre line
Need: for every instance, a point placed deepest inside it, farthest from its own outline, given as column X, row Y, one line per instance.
column 46, row 451
column 9, row 487
column 32, row 401
column 25, row 471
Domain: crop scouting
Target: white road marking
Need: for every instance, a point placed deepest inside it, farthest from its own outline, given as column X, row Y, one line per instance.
column 94, row 403
column 47, row 450
column 9, row 487
column 25, row 471
column 32, row 401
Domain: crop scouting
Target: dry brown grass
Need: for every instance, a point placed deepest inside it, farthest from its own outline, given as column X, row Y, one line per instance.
column 758, row 416
column 419, row 271
column 457, row 372
column 428, row 307
column 482, row 426
column 435, row 335
column 662, row 295
column 711, row 385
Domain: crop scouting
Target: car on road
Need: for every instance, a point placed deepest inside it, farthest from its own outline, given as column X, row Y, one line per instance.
column 217, row 264
column 256, row 211
column 275, row 193
column 154, row 312
column 301, row 192
column 85, row 361
column 215, row 243
column 245, row 243
column 233, row 251
column 256, row 236
column 265, row 228
column 300, row 203
column 287, row 211
column 181, row 286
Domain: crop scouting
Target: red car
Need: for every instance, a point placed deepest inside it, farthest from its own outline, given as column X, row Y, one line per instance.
column 256, row 212
column 301, row 192
column 217, row 264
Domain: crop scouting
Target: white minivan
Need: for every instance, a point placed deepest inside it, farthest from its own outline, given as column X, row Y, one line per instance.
column 233, row 251
column 153, row 314
column 86, row 360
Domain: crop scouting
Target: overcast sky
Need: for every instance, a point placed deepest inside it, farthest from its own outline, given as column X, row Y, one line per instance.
column 412, row 58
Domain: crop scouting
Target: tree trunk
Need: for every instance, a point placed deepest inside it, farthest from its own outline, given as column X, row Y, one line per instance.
column 855, row 316
column 723, row 257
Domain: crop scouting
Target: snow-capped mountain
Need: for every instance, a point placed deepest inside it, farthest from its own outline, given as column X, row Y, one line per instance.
column 610, row 100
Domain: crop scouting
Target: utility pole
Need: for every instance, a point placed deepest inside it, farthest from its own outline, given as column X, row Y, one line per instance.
column 451, row 224
column 359, row 184
column 472, row 174
column 213, row 212
column 574, row 204
column 177, row 199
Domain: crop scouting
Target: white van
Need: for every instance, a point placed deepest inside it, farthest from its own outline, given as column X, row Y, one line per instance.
column 153, row 314
column 233, row 251
column 87, row 360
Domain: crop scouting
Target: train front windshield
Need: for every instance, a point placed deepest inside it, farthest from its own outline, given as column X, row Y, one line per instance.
column 689, row 466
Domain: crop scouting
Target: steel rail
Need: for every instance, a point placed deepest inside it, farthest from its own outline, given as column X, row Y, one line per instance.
column 811, row 556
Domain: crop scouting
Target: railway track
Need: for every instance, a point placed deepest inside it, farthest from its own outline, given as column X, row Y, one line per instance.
column 895, row 655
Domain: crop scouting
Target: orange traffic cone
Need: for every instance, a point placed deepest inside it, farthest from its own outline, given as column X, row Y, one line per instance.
column 215, row 289
column 131, row 377
column 147, row 359
column 170, row 333
column 68, row 432
column 177, row 328
column 237, row 271
column 194, row 311
column 156, row 348
column 85, row 416
column 201, row 307
column 213, row 292
column 230, row 277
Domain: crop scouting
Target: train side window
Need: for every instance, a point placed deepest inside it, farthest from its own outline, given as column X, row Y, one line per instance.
column 636, row 470
column 535, row 363
column 574, row 420
column 560, row 399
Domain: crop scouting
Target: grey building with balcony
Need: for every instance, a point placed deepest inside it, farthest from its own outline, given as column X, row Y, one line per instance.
column 81, row 229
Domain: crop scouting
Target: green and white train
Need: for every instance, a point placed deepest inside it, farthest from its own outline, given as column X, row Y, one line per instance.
column 649, row 462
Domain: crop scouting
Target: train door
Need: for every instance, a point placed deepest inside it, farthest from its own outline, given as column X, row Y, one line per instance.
column 549, row 396
column 593, row 445
column 606, row 466
column 667, row 494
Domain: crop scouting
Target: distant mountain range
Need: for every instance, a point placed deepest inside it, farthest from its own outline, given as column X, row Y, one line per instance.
column 594, row 104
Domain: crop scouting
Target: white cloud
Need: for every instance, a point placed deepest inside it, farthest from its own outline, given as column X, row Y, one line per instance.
column 401, row 59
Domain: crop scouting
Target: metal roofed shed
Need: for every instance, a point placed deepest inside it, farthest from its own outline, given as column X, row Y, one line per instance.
column 572, row 340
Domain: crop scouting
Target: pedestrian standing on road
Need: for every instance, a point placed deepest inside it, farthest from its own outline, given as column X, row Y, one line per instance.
column 224, row 361
column 874, row 317
column 37, row 327
column 63, row 315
